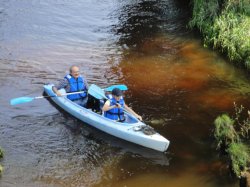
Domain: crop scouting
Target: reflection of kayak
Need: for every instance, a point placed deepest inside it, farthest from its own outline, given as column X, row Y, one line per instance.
column 131, row 129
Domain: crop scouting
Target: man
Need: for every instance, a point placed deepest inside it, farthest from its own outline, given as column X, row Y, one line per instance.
column 113, row 108
column 74, row 82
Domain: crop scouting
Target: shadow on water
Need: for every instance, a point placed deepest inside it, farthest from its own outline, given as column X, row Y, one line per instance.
column 86, row 155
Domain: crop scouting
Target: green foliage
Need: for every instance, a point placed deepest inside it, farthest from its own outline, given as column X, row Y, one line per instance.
column 231, row 139
column 225, row 25
column 204, row 13
column 231, row 36
column 239, row 154
column 224, row 132
column 241, row 6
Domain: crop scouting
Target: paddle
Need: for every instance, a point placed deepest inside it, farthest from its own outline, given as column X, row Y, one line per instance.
column 122, row 87
column 97, row 92
column 21, row 100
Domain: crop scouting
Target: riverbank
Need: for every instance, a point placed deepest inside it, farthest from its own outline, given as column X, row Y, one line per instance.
column 225, row 26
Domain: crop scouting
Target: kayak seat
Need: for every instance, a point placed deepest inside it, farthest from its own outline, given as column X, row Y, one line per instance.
column 93, row 104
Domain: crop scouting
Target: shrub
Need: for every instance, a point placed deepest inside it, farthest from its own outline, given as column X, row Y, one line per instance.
column 224, row 132
column 224, row 25
column 239, row 155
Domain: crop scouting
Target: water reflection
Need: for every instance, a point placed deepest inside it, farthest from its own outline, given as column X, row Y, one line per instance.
column 176, row 85
column 78, row 153
column 141, row 20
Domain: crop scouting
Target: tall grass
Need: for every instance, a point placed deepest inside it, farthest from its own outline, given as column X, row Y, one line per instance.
column 224, row 132
column 225, row 25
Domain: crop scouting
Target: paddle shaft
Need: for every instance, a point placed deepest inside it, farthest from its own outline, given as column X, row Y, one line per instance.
column 20, row 100
column 71, row 93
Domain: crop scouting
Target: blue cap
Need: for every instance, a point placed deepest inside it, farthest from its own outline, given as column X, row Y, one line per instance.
column 116, row 92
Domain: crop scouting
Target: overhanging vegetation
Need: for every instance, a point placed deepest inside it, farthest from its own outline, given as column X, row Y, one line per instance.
column 225, row 25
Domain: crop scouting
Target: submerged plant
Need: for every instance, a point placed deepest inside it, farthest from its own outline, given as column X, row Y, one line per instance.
column 224, row 132
column 239, row 155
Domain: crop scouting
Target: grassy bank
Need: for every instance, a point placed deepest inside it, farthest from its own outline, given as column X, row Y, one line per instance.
column 225, row 26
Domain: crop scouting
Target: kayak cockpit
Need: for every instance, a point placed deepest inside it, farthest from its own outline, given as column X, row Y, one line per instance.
column 129, row 119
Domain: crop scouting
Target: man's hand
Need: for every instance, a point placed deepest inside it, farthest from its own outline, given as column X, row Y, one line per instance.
column 56, row 91
column 58, row 94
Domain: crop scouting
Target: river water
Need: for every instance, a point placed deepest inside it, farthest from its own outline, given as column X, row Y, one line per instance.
column 174, row 83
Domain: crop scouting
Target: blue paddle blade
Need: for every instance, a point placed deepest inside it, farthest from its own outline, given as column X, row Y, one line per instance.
column 120, row 86
column 96, row 92
column 20, row 100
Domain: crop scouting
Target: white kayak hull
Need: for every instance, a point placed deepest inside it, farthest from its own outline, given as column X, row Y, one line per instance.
column 128, row 131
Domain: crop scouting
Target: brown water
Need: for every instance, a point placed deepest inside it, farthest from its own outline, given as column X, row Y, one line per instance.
column 174, row 83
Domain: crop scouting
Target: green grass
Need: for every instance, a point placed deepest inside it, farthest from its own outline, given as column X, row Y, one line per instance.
column 239, row 155
column 224, row 132
column 225, row 26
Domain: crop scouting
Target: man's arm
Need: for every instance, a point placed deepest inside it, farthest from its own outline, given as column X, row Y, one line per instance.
column 61, row 84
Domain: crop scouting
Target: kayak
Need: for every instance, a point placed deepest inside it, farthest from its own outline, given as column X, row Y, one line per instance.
column 132, row 129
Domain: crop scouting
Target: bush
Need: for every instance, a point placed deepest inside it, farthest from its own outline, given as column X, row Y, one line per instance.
column 239, row 155
column 224, row 132
column 231, row 139
column 225, row 26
